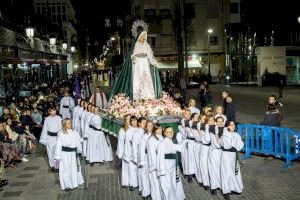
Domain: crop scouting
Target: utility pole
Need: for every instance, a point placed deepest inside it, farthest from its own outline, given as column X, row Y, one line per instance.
column 185, row 43
column 178, row 21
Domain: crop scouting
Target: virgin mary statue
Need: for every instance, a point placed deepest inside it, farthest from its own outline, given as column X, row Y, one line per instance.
column 139, row 77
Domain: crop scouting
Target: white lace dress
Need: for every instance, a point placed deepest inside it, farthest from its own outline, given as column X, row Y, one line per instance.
column 142, row 83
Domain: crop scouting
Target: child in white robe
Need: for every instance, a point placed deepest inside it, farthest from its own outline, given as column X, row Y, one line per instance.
column 192, row 107
column 219, row 110
column 168, row 167
column 120, row 151
column 205, row 138
column 190, row 147
column 214, row 155
column 128, row 157
column 184, row 128
column 96, row 140
column 136, row 140
column 82, row 123
column 231, row 143
column 52, row 125
column 152, row 148
column 87, row 130
column 66, row 106
column 198, row 138
column 77, row 115
column 67, row 149
column 143, row 162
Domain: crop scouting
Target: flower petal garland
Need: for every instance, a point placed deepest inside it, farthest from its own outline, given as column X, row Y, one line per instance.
column 121, row 105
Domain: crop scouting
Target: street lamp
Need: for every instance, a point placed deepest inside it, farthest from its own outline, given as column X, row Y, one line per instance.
column 52, row 41
column 64, row 46
column 73, row 49
column 112, row 38
column 29, row 32
column 209, row 32
column 298, row 19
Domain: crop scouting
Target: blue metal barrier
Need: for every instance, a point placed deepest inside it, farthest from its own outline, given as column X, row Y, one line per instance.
column 267, row 140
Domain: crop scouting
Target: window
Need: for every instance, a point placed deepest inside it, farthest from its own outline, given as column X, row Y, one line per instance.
column 58, row 9
column 191, row 38
column 189, row 10
column 165, row 13
column 149, row 12
column 213, row 40
column 63, row 9
column 234, row 8
column 53, row 10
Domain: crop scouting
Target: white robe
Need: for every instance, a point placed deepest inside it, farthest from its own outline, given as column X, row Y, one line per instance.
column 86, row 133
column 120, row 153
column 66, row 112
column 183, row 133
column 230, row 181
column 100, row 102
column 197, row 151
column 152, row 145
column 214, row 161
column 76, row 118
column 136, row 140
column 95, row 150
column 128, row 157
column 143, row 87
column 70, row 175
column 143, row 163
column 189, row 160
column 82, row 121
column 166, row 170
column 205, row 139
column 52, row 124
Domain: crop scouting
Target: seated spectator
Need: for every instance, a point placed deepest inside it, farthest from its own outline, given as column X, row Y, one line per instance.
column 8, row 150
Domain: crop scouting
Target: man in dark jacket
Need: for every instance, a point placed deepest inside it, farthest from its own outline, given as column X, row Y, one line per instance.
column 278, row 106
column 224, row 96
column 230, row 110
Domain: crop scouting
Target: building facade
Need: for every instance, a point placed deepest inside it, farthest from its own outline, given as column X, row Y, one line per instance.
column 198, row 17
column 62, row 13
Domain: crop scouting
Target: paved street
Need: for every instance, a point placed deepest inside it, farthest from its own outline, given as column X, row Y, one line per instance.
column 263, row 179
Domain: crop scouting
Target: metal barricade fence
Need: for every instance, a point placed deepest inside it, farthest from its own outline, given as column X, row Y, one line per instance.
column 270, row 141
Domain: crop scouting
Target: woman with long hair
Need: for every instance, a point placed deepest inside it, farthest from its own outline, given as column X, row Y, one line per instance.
column 66, row 153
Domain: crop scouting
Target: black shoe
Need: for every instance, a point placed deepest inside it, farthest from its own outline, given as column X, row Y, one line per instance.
column 206, row 187
column 201, row 184
column 140, row 192
column 190, row 179
column 67, row 189
column 131, row 188
column 92, row 164
column 56, row 170
column 52, row 169
column 124, row 186
column 226, row 196
column 214, row 192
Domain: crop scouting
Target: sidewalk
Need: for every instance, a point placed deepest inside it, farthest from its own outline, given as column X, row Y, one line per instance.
column 263, row 179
